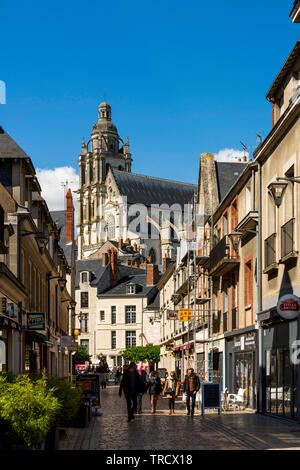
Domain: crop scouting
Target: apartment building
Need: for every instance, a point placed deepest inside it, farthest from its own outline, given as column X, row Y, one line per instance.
column 278, row 158
column 34, row 261
column 117, row 306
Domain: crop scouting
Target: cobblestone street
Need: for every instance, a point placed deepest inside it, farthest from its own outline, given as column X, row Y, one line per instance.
column 231, row 431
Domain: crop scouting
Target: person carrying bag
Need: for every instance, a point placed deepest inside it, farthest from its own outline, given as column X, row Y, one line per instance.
column 171, row 390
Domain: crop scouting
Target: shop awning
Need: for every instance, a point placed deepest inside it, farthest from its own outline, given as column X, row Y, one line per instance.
column 40, row 338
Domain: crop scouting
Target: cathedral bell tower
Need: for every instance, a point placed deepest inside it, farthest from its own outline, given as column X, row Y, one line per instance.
column 101, row 152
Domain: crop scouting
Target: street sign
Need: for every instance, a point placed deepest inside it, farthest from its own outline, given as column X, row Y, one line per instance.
column 90, row 387
column 211, row 396
column 172, row 315
column 185, row 315
column 36, row 321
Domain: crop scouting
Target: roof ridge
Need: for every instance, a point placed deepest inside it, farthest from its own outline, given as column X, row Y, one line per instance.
column 152, row 177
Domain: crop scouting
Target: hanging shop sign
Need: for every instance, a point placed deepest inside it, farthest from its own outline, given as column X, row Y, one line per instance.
column 36, row 321
column 66, row 341
column 288, row 307
column 185, row 315
column 172, row 315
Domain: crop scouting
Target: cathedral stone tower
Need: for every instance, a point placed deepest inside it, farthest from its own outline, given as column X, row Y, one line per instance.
column 104, row 150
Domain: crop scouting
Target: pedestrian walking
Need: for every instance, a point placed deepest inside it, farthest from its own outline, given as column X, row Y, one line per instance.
column 155, row 389
column 131, row 386
column 117, row 377
column 144, row 383
column 191, row 386
column 171, row 390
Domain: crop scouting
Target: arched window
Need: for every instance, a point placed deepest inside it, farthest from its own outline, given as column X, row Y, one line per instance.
column 152, row 256
column 110, row 227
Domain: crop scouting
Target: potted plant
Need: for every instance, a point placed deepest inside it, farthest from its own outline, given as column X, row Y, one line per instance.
column 28, row 411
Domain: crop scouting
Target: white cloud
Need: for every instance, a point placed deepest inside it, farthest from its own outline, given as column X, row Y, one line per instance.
column 230, row 155
column 52, row 181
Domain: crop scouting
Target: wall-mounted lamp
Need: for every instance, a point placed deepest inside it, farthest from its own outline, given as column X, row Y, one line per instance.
column 235, row 238
column 277, row 189
column 41, row 240
column 61, row 281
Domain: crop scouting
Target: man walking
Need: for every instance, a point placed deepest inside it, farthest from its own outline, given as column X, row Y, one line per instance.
column 191, row 386
column 131, row 386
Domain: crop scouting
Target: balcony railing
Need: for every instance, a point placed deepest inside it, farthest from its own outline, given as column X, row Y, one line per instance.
column 270, row 250
column 287, row 238
column 223, row 258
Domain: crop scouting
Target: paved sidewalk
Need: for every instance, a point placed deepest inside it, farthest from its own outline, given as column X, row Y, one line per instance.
column 230, row 431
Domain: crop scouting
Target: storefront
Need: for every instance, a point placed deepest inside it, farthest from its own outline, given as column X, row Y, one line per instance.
column 281, row 370
column 36, row 351
column 241, row 366
column 200, row 362
column 215, row 362
column 12, row 293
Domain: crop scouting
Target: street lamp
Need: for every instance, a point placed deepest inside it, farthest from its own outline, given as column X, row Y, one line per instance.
column 235, row 238
column 277, row 189
column 41, row 240
column 61, row 280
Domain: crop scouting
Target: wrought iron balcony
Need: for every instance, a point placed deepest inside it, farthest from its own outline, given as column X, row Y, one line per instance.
column 223, row 258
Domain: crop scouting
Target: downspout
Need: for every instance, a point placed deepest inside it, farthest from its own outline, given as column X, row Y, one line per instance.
column 260, row 375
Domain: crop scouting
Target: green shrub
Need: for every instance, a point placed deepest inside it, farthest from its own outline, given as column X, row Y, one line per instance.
column 68, row 396
column 28, row 409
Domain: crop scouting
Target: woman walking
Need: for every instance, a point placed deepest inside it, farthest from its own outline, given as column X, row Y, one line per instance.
column 171, row 390
column 155, row 389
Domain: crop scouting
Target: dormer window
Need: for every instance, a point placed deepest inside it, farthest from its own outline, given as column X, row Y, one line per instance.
column 84, row 277
column 131, row 288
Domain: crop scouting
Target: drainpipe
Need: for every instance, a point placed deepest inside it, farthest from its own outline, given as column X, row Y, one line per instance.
column 260, row 371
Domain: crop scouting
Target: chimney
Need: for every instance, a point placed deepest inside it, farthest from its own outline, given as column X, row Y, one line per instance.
column 69, row 216
column 152, row 274
column 120, row 244
column 104, row 259
column 166, row 263
column 113, row 267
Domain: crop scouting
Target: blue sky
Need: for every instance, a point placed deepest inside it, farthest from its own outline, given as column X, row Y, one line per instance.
column 182, row 77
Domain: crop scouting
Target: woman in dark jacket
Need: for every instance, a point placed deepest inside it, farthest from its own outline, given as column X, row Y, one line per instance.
column 155, row 389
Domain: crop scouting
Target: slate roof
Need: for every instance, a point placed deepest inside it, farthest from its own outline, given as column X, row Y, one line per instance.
column 93, row 266
column 149, row 190
column 227, row 174
column 120, row 289
column 8, row 147
column 284, row 71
